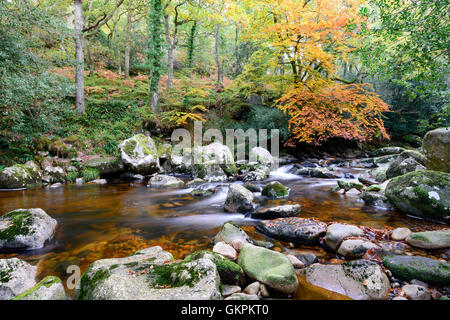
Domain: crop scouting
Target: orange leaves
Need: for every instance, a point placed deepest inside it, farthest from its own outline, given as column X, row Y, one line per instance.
column 334, row 110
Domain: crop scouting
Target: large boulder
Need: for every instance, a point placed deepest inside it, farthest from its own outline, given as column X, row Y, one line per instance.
column 358, row 279
column 165, row 181
column 336, row 232
column 49, row 288
column 288, row 210
column 16, row 276
column 436, row 147
column 419, row 268
column 26, row 229
column 20, row 176
column 239, row 199
column 262, row 156
column 230, row 272
column 104, row 165
column 213, row 162
column 422, row 193
column 139, row 153
column 269, row 267
column 293, row 229
column 150, row 274
column 407, row 161
column 439, row 239
column 275, row 190
column 256, row 172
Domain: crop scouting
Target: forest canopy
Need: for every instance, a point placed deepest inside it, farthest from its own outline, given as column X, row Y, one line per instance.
column 96, row 71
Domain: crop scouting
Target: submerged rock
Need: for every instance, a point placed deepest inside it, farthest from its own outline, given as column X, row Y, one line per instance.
column 16, row 276
column 149, row 275
column 104, row 165
column 293, row 229
column 139, row 153
column 436, row 147
column 422, row 193
column 49, row 288
column 288, row 210
column 230, row 272
column 20, row 176
column 336, row 232
column 269, row 267
column 430, row 239
column 358, row 279
column 26, row 229
column 239, row 199
column 420, row 268
column 275, row 190
column 165, row 181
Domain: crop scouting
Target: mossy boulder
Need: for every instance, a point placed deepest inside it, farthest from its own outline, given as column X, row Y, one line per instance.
column 372, row 198
column 60, row 149
column 324, row 173
column 439, row 239
column 419, row 268
column 256, row 172
column 436, row 147
column 348, row 185
column 104, row 165
column 239, row 199
column 275, row 190
column 413, row 140
column 49, row 288
column 262, row 156
column 139, row 153
column 235, row 236
column 269, row 267
column 26, row 229
column 16, row 276
column 379, row 173
column 407, row 161
column 386, row 151
column 54, row 174
column 358, row 279
column 165, row 181
column 422, row 193
column 230, row 272
column 20, row 176
column 150, row 274
column 294, row 229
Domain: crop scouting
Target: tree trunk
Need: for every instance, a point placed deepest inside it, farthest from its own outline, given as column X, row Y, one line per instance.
column 119, row 62
column 171, row 45
column 79, row 57
column 218, row 63
column 127, row 47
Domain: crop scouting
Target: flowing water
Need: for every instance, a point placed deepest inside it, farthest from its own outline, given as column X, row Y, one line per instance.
column 116, row 219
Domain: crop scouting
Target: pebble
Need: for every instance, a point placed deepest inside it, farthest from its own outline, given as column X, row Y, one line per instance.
column 253, row 288
column 226, row 250
column 400, row 234
column 416, row 292
column 228, row 290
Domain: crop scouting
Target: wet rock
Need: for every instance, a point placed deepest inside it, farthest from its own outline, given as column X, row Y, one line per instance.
column 307, row 258
column 236, row 237
column 26, row 229
column 374, row 188
column 347, row 185
column 242, row 296
column 16, row 276
column 226, row 250
column 436, row 147
column 400, row 234
column 132, row 176
column 275, row 190
column 104, row 165
column 336, row 232
column 293, row 229
column 358, row 279
column 269, row 267
column 367, row 181
column 204, row 190
column 165, row 181
column 264, row 291
column 323, row 173
column 239, row 199
column 49, row 288
column 252, row 187
column 230, row 273
column 228, row 290
column 421, row 268
column 384, row 161
column 252, row 288
column 407, row 161
column 430, row 239
column 277, row 212
column 355, row 248
column 260, row 172
column 386, row 151
column 146, row 275
column 262, row 156
column 296, row 263
column 213, row 162
column 20, row 176
column 415, row 292
column 195, row 182
column 375, row 199
column 422, row 193
column 379, row 174
column 139, row 153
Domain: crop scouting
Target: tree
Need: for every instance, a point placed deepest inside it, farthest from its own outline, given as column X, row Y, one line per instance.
column 155, row 50
column 79, row 56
